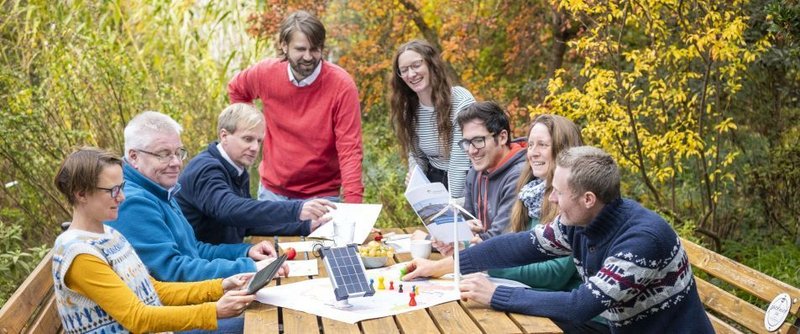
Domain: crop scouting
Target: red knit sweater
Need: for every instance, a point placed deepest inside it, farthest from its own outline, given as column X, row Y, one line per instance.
column 313, row 134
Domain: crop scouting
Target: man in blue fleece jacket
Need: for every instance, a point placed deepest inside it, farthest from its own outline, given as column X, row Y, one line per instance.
column 216, row 199
column 636, row 274
column 151, row 219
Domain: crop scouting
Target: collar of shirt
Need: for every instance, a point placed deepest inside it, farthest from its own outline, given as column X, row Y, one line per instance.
column 308, row 80
column 224, row 154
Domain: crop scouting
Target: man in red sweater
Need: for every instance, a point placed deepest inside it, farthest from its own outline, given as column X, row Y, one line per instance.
column 312, row 145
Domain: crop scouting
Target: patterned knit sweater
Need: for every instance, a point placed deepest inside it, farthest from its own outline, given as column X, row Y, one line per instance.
column 80, row 314
column 636, row 273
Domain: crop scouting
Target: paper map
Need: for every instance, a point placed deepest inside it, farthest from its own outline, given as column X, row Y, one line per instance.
column 316, row 296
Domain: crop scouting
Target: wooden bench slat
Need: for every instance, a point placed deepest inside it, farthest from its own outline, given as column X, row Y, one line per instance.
column 722, row 327
column 21, row 307
column 753, row 282
column 48, row 320
column 731, row 306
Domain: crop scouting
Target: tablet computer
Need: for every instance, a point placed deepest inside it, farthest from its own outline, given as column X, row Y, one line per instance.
column 263, row 276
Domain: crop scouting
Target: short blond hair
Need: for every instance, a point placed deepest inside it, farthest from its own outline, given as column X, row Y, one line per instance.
column 591, row 169
column 239, row 114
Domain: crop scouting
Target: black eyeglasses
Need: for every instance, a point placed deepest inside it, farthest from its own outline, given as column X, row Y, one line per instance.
column 477, row 142
column 115, row 190
column 166, row 156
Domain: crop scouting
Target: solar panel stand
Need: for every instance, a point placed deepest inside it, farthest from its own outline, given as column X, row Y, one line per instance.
column 342, row 304
column 346, row 272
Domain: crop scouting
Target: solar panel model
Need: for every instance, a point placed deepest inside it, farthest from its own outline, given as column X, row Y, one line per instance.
column 346, row 272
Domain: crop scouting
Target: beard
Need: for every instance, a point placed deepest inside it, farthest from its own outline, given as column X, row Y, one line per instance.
column 303, row 69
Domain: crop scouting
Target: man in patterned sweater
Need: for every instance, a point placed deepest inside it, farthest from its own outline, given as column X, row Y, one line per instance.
column 635, row 272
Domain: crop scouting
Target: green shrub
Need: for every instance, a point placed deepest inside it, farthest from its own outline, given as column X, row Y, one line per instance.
column 16, row 262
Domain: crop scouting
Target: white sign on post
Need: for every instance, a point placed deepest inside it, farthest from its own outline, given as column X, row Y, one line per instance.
column 777, row 311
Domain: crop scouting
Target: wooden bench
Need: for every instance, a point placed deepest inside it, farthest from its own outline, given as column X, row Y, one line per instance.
column 719, row 302
column 32, row 308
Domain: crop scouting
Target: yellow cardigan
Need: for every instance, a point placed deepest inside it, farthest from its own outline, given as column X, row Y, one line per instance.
column 187, row 305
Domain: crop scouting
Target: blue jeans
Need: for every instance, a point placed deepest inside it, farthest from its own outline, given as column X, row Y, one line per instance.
column 224, row 326
column 265, row 194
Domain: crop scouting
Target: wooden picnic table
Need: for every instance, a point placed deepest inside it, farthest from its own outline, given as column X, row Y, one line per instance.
column 450, row 317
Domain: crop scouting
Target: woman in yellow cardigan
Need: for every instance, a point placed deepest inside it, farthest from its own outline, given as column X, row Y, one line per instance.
column 101, row 284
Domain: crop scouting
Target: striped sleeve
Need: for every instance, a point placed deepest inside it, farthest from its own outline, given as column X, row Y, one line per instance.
column 459, row 162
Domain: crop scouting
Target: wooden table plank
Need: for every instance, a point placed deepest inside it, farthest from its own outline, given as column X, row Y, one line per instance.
column 418, row 321
column 261, row 318
column 333, row 326
column 452, row 318
column 330, row 325
column 297, row 321
column 489, row 320
column 380, row 325
column 535, row 325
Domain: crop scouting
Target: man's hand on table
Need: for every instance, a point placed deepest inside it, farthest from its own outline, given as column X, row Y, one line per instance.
column 262, row 250
column 478, row 288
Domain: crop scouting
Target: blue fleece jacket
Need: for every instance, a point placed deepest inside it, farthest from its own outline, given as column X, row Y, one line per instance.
column 636, row 273
column 152, row 221
column 216, row 200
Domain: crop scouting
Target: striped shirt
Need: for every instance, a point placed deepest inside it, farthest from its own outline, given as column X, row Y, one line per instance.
column 428, row 150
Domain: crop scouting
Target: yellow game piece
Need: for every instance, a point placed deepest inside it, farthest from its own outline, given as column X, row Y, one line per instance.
column 380, row 283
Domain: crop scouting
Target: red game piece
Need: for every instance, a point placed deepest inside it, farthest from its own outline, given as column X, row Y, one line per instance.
column 412, row 302
column 391, row 285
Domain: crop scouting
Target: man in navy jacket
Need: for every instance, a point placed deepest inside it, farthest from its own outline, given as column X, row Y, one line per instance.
column 635, row 271
column 216, row 199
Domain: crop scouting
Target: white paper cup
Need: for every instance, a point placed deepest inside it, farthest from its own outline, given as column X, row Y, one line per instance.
column 420, row 249
column 343, row 232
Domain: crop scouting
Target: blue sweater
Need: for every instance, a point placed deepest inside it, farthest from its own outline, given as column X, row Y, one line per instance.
column 636, row 273
column 152, row 221
column 217, row 202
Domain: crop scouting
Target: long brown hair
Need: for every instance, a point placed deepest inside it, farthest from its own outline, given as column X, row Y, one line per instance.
column 405, row 102
column 564, row 134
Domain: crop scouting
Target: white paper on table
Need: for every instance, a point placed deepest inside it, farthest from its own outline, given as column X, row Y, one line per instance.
column 315, row 296
column 400, row 246
column 365, row 216
column 303, row 268
column 303, row 246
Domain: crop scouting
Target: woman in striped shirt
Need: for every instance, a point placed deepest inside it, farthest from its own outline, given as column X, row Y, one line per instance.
column 424, row 108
